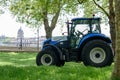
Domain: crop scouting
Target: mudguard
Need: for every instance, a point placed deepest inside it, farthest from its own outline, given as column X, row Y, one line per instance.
column 92, row 36
column 60, row 54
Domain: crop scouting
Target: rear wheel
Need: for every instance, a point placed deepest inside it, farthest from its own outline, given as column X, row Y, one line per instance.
column 97, row 53
column 47, row 57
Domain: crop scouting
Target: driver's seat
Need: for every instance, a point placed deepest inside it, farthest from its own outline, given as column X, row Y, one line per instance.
column 75, row 41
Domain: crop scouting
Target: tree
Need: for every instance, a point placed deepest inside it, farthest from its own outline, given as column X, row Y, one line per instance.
column 3, row 4
column 41, row 11
column 107, row 7
column 116, row 71
column 111, row 16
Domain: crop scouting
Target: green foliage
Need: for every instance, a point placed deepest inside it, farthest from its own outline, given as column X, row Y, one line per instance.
column 21, row 66
column 31, row 11
column 35, row 12
column 3, row 4
column 90, row 8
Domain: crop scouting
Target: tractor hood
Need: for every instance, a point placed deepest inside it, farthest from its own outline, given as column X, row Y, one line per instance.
column 55, row 40
column 59, row 38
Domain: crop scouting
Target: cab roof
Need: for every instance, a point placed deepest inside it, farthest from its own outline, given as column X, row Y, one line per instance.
column 86, row 20
column 74, row 19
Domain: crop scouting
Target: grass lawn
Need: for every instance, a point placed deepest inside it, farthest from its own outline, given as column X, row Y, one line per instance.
column 22, row 66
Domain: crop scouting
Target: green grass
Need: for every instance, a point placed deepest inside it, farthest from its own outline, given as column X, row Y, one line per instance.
column 22, row 66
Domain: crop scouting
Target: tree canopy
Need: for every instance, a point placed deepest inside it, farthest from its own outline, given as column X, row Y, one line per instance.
column 42, row 11
column 47, row 12
column 3, row 5
column 99, row 8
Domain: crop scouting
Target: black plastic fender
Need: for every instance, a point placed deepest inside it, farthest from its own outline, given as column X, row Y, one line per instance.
column 94, row 36
column 60, row 54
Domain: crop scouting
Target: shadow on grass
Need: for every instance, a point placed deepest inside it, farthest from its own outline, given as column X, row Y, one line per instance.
column 67, row 72
column 21, row 66
column 17, row 59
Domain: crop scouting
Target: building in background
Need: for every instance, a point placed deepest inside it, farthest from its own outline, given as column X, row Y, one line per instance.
column 20, row 41
column 20, row 37
column 20, row 33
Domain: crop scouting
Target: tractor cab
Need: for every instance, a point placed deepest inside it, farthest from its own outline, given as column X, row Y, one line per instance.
column 80, row 27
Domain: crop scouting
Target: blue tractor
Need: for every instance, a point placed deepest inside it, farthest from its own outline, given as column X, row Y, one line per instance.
column 84, row 42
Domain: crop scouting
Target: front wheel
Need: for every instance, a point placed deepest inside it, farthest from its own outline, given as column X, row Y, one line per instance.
column 97, row 53
column 46, row 57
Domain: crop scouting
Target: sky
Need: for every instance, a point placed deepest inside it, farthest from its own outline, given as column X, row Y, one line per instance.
column 9, row 28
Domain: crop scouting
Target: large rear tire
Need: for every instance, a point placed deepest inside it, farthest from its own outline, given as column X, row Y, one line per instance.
column 97, row 53
column 47, row 57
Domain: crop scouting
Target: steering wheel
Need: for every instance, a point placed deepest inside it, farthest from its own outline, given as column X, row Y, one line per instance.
column 78, row 33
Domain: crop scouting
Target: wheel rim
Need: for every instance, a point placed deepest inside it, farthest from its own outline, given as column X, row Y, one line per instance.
column 97, row 55
column 46, row 59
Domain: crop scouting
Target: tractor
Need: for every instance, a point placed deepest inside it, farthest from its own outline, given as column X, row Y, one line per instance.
column 84, row 42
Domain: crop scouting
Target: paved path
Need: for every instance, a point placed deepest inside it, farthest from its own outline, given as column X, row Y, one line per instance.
column 16, row 49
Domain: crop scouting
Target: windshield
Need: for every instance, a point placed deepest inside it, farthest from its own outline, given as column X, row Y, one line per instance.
column 86, row 25
column 84, row 28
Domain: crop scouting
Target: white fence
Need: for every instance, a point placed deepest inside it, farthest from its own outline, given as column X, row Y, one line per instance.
column 24, row 42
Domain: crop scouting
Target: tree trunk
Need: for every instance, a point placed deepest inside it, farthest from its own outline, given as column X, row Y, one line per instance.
column 46, row 25
column 50, row 28
column 116, row 71
column 111, row 17
column 112, row 23
column 112, row 31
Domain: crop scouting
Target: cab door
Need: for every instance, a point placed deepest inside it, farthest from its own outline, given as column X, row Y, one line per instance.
column 77, row 33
